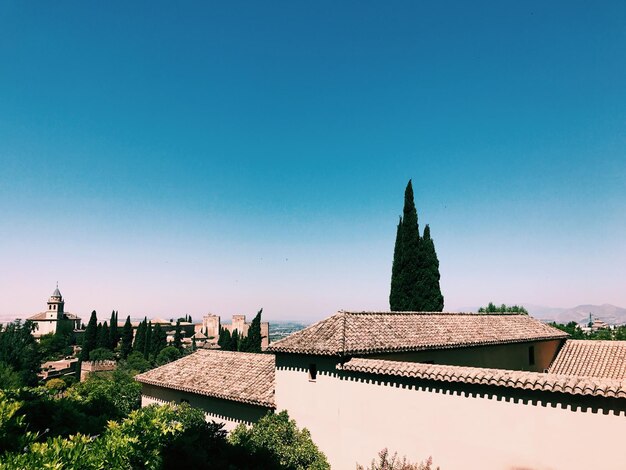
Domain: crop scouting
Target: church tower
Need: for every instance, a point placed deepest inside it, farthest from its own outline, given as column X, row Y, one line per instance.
column 55, row 305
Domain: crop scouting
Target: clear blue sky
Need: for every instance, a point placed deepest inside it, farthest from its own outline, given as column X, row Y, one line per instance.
column 165, row 159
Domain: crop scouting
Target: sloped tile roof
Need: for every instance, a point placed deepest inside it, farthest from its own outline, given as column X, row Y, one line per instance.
column 591, row 358
column 570, row 384
column 42, row 316
column 237, row 376
column 353, row 333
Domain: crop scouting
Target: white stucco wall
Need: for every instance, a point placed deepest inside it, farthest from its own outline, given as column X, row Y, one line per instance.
column 351, row 420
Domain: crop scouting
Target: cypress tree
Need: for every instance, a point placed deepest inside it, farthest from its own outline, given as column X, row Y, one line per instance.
column 140, row 336
column 127, row 338
column 429, row 282
column 147, row 347
column 405, row 294
column 234, row 341
column 252, row 343
column 90, row 337
column 114, row 334
column 395, row 299
column 225, row 339
column 102, row 340
column 158, row 340
column 193, row 344
column 178, row 336
column 415, row 272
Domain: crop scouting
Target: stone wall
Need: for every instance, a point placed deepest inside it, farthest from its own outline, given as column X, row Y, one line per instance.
column 90, row 367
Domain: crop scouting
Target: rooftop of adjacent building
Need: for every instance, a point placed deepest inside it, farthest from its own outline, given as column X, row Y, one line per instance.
column 357, row 333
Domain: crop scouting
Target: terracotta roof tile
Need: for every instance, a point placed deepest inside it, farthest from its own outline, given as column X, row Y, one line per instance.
column 352, row 333
column 574, row 385
column 591, row 358
column 237, row 376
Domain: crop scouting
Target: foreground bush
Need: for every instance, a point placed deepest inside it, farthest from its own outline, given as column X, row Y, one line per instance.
column 278, row 437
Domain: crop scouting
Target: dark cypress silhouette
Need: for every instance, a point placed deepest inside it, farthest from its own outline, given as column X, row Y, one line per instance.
column 429, row 274
column 178, row 336
column 127, row 339
column 140, row 336
column 147, row 347
column 90, row 337
column 415, row 271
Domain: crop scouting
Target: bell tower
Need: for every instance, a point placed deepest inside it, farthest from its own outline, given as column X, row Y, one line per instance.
column 55, row 305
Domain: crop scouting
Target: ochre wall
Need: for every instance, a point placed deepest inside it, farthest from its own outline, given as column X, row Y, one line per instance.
column 230, row 413
column 353, row 416
column 502, row 356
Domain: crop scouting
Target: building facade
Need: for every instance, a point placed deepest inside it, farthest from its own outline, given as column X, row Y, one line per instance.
column 473, row 391
column 55, row 318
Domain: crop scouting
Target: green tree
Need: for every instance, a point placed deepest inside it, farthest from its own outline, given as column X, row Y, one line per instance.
column 102, row 336
column 279, row 436
column 167, row 355
column 9, row 378
column 159, row 341
column 54, row 346
column 140, row 336
column 127, row 339
column 224, row 340
column 135, row 363
column 252, row 343
column 178, row 336
column 101, row 354
column 90, row 337
column 493, row 308
column 148, row 346
column 114, row 334
column 234, row 341
column 430, row 290
column 415, row 271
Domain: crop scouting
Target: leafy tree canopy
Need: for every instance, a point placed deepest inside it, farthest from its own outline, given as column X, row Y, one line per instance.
column 492, row 308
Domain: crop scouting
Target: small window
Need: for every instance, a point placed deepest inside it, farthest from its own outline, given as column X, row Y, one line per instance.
column 531, row 355
column 312, row 372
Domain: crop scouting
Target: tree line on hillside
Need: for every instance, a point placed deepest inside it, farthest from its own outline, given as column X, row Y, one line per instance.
column 415, row 271
column 147, row 346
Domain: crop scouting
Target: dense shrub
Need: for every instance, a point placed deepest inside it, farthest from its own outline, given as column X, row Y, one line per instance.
column 279, row 437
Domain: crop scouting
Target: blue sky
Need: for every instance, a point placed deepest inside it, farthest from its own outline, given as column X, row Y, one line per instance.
column 167, row 159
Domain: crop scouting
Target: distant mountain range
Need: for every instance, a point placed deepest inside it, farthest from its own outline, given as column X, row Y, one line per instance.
column 608, row 313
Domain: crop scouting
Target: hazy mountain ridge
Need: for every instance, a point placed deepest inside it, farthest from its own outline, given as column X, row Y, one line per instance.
column 611, row 314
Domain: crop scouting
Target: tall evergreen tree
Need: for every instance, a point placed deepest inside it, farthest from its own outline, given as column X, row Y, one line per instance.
column 158, row 340
column 234, row 341
column 178, row 336
column 415, row 271
column 90, row 337
column 102, row 337
column 127, row 338
column 140, row 336
column 396, row 300
column 252, row 343
column 114, row 334
column 225, row 339
column 147, row 348
column 429, row 275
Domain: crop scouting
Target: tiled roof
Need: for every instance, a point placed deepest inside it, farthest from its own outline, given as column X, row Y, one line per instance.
column 503, row 378
column 237, row 376
column 42, row 316
column 347, row 333
column 591, row 358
